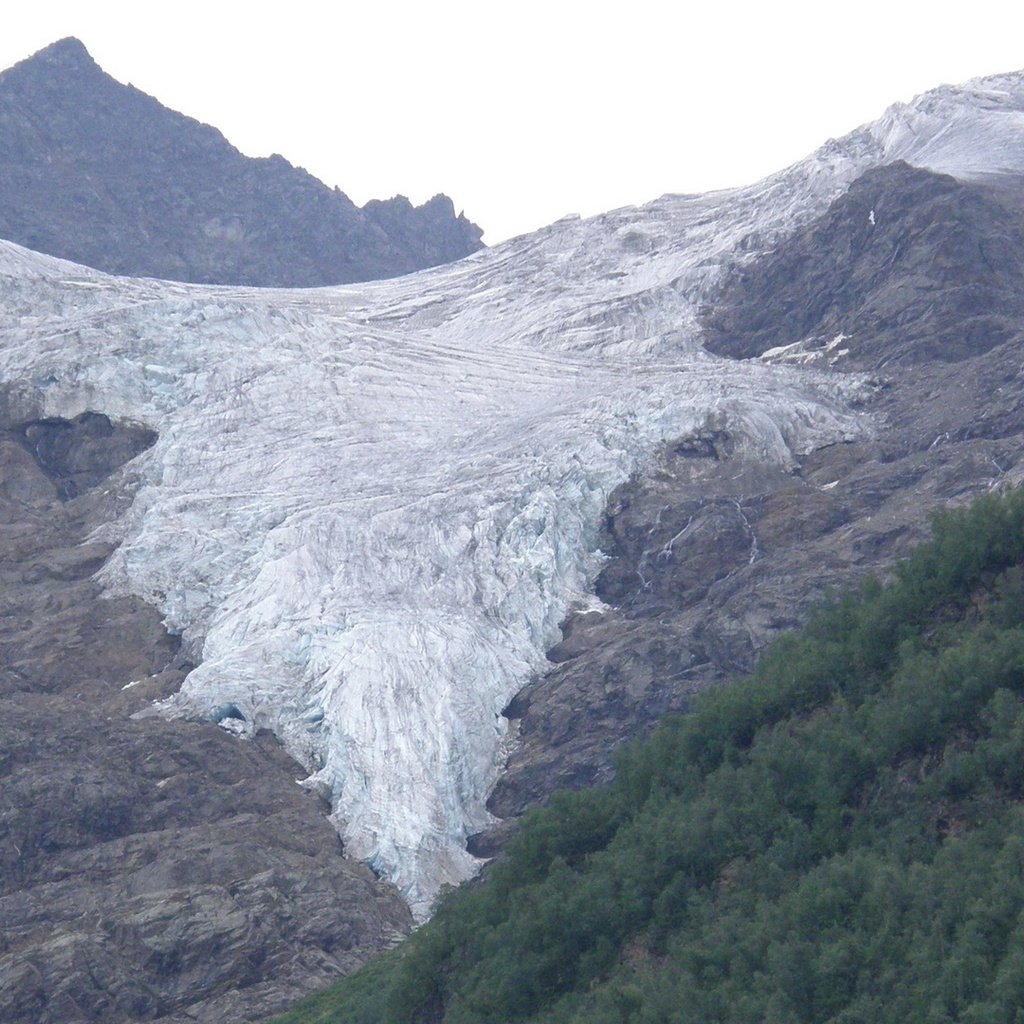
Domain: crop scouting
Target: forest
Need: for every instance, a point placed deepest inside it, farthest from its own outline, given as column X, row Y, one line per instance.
column 837, row 838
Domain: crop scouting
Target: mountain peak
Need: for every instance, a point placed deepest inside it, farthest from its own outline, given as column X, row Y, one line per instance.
column 67, row 53
column 91, row 166
column 68, row 47
column 973, row 131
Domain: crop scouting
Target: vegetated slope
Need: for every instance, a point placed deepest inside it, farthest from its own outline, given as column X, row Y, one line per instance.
column 100, row 173
column 837, row 838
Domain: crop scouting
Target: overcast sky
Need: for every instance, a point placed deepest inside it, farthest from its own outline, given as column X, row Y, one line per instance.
column 528, row 111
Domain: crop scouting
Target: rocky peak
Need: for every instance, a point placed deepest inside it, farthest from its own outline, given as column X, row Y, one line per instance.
column 100, row 173
column 68, row 54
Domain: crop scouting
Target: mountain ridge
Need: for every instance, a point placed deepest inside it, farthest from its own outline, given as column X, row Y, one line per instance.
column 105, row 175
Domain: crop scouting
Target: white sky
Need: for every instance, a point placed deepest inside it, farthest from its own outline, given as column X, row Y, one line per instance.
column 526, row 112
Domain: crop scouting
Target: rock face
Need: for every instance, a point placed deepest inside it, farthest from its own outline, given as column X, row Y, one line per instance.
column 149, row 870
column 102, row 174
column 712, row 554
column 908, row 267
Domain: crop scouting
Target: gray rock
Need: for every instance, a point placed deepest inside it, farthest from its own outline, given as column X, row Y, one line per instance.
column 149, row 870
column 102, row 174
column 909, row 265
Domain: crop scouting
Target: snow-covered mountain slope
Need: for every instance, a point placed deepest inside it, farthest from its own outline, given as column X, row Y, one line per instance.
column 974, row 131
column 370, row 507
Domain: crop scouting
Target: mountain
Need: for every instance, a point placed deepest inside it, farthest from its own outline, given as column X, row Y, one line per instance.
column 100, row 173
column 453, row 538
column 710, row 552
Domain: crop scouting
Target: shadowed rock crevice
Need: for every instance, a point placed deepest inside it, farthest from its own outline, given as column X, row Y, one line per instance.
column 80, row 453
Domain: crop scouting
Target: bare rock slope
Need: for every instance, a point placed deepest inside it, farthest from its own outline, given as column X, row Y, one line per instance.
column 149, row 870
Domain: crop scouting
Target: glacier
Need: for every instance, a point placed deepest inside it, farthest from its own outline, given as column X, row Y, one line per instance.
column 370, row 507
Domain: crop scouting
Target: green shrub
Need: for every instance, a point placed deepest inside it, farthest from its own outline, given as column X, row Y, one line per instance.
column 836, row 839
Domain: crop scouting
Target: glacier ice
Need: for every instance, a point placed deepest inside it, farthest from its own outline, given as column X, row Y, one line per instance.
column 370, row 507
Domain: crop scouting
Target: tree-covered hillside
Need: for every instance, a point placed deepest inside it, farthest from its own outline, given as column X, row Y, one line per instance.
column 839, row 838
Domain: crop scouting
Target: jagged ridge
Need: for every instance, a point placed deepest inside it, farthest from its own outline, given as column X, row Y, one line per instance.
column 100, row 173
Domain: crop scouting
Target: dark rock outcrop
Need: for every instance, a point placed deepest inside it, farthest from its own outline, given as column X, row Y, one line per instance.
column 102, row 174
column 908, row 265
column 77, row 454
column 712, row 555
column 149, row 869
